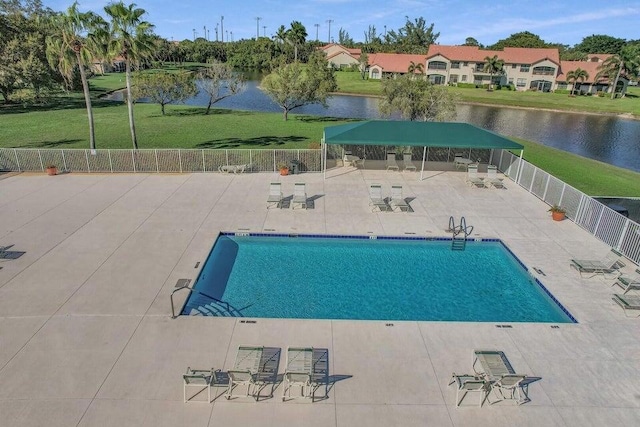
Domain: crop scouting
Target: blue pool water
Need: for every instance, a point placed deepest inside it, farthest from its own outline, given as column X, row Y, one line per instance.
column 332, row 278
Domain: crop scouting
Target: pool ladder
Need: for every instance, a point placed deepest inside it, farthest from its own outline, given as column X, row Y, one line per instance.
column 462, row 230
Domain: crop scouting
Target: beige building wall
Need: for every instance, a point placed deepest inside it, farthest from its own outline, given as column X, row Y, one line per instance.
column 342, row 60
column 375, row 72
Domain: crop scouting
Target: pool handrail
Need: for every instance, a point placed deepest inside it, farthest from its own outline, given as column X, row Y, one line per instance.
column 191, row 290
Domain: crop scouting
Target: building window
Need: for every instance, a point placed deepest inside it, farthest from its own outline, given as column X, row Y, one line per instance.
column 521, row 82
column 514, row 65
column 436, row 79
column 524, row 68
column 453, row 78
column 464, row 78
column 562, row 86
column 480, row 66
column 510, row 81
column 465, row 64
column 545, row 71
column 375, row 74
column 437, row 65
column 455, row 64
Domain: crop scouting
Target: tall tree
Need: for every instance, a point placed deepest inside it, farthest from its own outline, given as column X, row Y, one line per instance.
column 130, row 39
column 344, row 38
column 417, row 100
column 415, row 68
column 521, row 39
column 626, row 62
column 293, row 85
column 363, row 63
column 164, row 88
column 414, row 37
column 470, row 41
column 219, row 81
column 492, row 65
column 599, row 43
column 71, row 46
column 296, row 35
column 576, row 75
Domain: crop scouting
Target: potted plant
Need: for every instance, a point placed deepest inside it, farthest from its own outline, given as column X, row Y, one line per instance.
column 557, row 213
column 283, row 167
column 52, row 169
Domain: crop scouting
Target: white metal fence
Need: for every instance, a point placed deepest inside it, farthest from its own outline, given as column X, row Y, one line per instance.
column 609, row 226
column 178, row 160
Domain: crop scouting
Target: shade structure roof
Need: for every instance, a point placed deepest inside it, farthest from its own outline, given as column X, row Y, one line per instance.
column 418, row 134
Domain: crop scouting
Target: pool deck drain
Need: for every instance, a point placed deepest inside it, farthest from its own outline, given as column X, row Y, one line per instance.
column 87, row 337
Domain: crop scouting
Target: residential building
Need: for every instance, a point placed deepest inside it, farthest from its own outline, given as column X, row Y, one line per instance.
column 339, row 56
column 589, row 85
column 382, row 64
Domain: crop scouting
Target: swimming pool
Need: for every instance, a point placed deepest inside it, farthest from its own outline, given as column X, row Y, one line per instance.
column 325, row 277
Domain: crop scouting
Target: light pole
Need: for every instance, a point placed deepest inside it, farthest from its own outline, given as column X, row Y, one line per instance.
column 194, row 34
column 216, row 32
column 329, row 21
column 385, row 31
column 222, row 28
column 317, row 26
column 227, row 34
column 205, row 32
column 264, row 31
column 258, row 27
column 231, row 32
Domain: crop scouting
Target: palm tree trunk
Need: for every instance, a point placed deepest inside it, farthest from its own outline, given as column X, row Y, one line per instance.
column 295, row 52
column 615, row 82
column 130, row 104
column 87, row 101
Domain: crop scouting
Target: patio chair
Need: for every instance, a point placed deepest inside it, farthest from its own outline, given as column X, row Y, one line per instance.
column 459, row 161
column 628, row 283
column 299, row 195
column 470, row 384
column 473, row 178
column 492, row 177
column 407, row 164
column 275, row 195
column 375, row 198
column 608, row 265
column 628, row 302
column 298, row 371
column 319, row 371
column 391, row 162
column 351, row 160
column 397, row 200
column 509, row 387
column 244, row 369
column 200, row 378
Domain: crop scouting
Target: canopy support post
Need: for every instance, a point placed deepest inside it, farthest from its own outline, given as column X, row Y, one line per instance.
column 323, row 153
column 519, row 167
column 424, row 155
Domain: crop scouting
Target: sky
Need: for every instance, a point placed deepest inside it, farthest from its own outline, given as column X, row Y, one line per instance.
column 566, row 21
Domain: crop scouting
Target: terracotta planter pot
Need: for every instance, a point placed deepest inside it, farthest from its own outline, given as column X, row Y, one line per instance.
column 558, row 216
column 52, row 171
column 284, row 171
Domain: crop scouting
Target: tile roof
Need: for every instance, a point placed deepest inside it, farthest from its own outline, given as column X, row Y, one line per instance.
column 510, row 55
column 395, row 62
column 352, row 51
column 590, row 67
column 341, row 52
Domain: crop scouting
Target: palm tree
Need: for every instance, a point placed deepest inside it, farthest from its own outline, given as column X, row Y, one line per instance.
column 575, row 75
column 130, row 39
column 626, row 62
column 493, row 65
column 296, row 35
column 72, row 44
column 415, row 68
column 280, row 36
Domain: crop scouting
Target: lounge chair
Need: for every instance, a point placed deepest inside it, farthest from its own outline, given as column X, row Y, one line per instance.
column 407, row 164
column 628, row 302
column 245, row 369
column 470, row 384
column 459, row 161
column 299, row 195
column 319, row 371
column 496, row 368
column 492, row 179
column 275, row 195
column 609, row 265
column 510, row 387
column 397, row 200
column 298, row 371
column 200, row 378
column 391, row 162
column 472, row 176
column 376, row 200
column 233, row 168
column 628, row 283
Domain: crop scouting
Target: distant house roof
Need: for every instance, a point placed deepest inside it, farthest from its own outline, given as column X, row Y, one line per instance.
column 590, row 67
column 510, row 55
column 395, row 62
column 598, row 57
column 417, row 134
column 343, row 52
column 352, row 51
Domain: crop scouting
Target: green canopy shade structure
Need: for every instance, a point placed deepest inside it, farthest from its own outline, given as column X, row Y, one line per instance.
column 416, row 134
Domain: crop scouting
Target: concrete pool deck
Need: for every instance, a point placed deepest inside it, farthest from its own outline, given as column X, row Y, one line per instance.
column 86, row 336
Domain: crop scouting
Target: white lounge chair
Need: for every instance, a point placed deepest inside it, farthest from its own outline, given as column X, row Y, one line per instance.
column 298, row 371
column 245, row 369
column 492, row 179
column 275, row 195
column 473, row 178
column 609, row 265
column 299, row 195
column 407, row 164
column 470, row 384
column 391, row 162
column 199, row 378
column 509, row 387
column 628, row 283
column 397, row 200
column 375, row 198
column 628, row 302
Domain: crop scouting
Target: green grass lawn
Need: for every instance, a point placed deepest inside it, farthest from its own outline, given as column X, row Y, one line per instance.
column 352, row 83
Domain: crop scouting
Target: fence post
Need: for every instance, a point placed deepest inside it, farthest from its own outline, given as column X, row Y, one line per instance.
column 533, row 178
column 298, row 154
column 157, row 165
column 624, row 232
column 86, row 156
column 133, row 159
column 274, row 160
column 546, row 187
column 500, row 165
column 180, row 159
column 251, row 159
column 226, row 153
column 204, row 166
column 15, row 152
column 595, row 230
column 41, row 164
column 110, row 162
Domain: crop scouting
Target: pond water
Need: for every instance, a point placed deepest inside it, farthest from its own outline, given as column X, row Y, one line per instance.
column 609, row 139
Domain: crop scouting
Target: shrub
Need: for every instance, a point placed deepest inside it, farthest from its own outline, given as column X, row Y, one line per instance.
column 467, row 86
column 498, row 86
column 314, row 146
column 600, row 94
column 562, row 91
